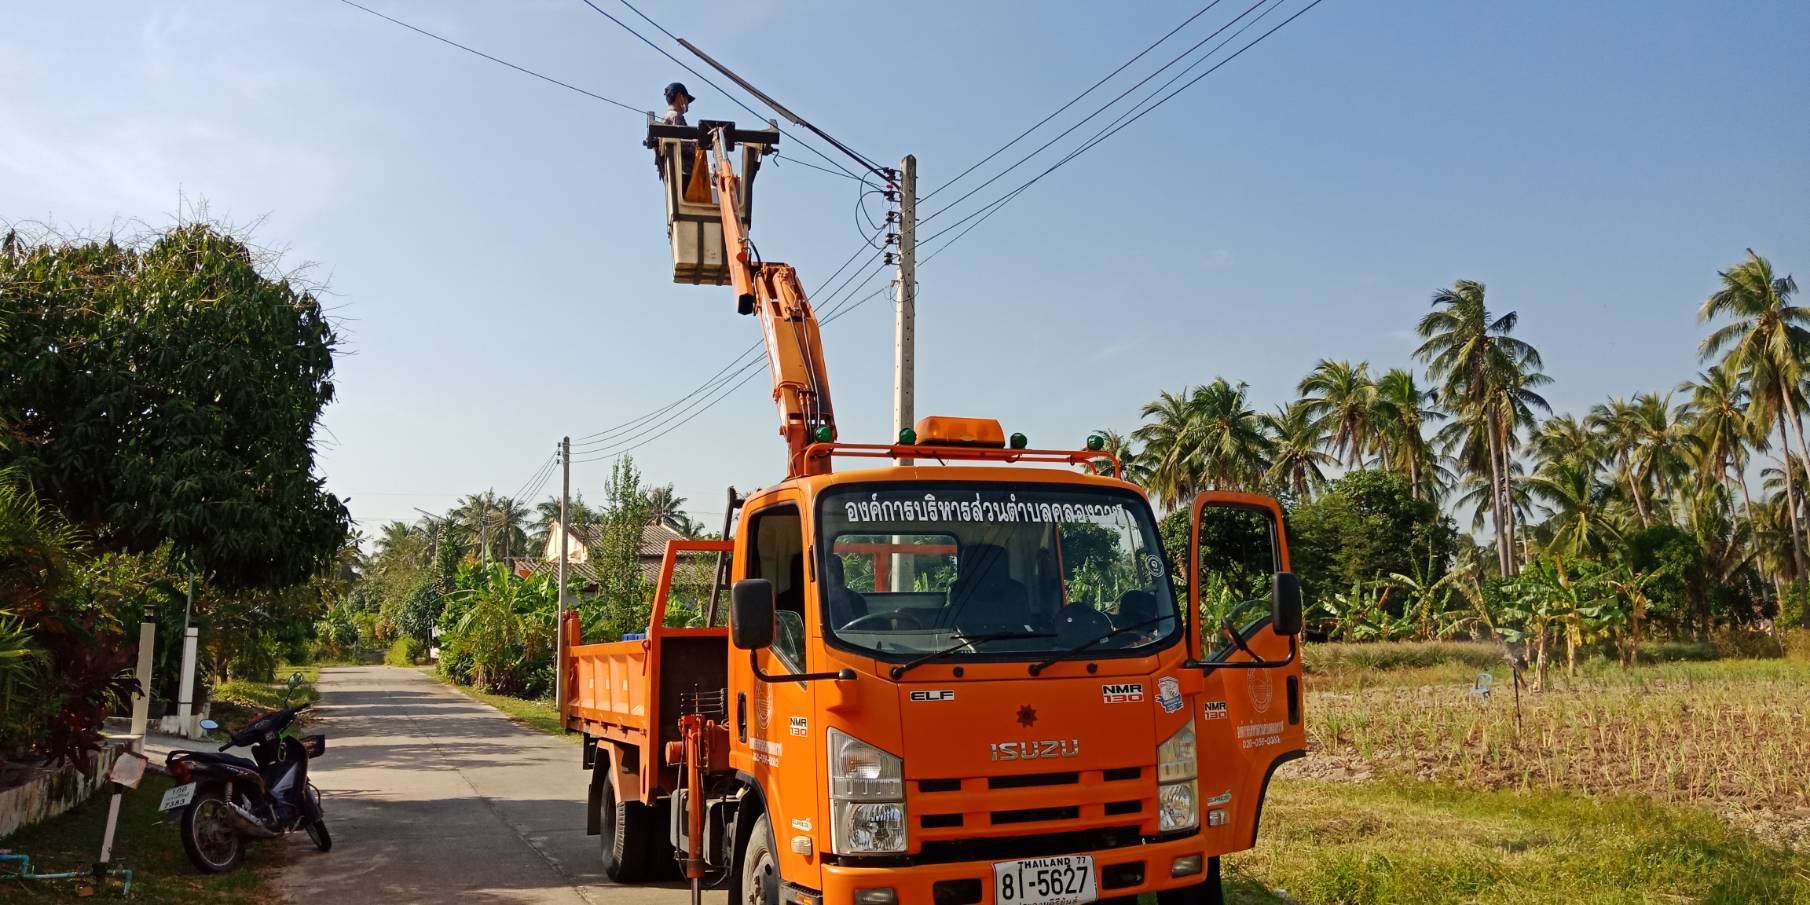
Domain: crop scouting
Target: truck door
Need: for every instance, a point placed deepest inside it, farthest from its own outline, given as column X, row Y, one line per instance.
column 776, row 719
column 1250, row 720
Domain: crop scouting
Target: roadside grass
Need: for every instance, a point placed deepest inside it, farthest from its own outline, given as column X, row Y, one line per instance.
column 236, row 701
column 541, row 715
column 146, row 844
column 1732, row 735
column 1393, row 841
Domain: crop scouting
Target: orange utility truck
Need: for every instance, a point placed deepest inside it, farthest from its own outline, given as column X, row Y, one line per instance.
column 973, row 681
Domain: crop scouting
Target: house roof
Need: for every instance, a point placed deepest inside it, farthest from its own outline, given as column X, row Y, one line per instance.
column 652, row 550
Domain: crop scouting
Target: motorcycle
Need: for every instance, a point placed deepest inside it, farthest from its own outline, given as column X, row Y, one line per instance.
column 221, row 800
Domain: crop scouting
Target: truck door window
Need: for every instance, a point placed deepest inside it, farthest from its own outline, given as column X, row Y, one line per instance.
column 776, row 538
column 1237, row 561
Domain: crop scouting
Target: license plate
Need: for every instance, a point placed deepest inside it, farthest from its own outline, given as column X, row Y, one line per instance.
column 178, row 797
column 1065, row 880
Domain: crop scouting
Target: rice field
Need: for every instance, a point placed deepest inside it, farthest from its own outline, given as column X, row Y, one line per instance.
column 1730, row 737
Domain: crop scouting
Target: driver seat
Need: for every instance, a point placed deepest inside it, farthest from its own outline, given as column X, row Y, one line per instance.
column 845, row 605
column 985, row 594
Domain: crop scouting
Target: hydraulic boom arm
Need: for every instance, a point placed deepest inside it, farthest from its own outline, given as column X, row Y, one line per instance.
column 772, row 292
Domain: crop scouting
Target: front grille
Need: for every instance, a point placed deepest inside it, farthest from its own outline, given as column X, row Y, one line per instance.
column 939, row 785
column 939, row 821
column 1031, row 845
column 1122, row 773
column 1033, row 815
column 1116, row 808
column 1032, row 780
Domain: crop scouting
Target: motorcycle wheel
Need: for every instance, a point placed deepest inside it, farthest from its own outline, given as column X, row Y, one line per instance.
column 208, row 838
column 317, row 831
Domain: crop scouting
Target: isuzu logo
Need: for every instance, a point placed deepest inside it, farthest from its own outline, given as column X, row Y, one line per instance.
column 1048, row 748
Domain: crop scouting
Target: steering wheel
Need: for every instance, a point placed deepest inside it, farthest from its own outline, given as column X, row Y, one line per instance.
column 896, row 617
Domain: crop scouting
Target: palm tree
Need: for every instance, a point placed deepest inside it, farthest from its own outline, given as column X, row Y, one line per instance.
column 1234, row 450
column 1719, row 419
column 667, row 508
column 1563, row 440
column 1485, row 375
column 1664, row 445
column 1131, row 464
column 1577, row 506
column 1616, row 424
column 1403, row 410
column 1296, row 458
column 1766, row 338
column 1209, row 437
column 1344, row 399
column 1167, row 435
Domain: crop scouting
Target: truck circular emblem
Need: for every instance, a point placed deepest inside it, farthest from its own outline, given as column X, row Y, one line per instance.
column 763, row 710
column 1261, row 686
column 1027, row 716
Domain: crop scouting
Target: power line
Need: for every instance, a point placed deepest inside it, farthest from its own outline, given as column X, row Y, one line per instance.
column 1072, row 101
column 500, row 62
column 805, row 163
column 706, row 80
column 598, row 438
column 994, row 206
column 702, row 396
column 1089, row 117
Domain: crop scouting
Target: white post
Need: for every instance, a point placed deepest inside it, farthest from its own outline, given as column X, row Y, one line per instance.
column 904, row 365
column 185, row 699
column 141, row 703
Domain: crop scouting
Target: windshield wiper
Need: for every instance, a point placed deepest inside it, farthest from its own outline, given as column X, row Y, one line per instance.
column 1040, row 667
column 966, row 642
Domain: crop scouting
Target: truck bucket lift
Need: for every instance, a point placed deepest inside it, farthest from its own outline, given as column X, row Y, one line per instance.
column 694, row 223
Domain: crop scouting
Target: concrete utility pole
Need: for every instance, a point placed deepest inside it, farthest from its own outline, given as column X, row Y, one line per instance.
column 904, row 350
column 905, row 317
column 559, row 624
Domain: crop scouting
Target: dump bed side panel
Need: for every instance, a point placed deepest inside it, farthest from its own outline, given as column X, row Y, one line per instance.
column 611, row 689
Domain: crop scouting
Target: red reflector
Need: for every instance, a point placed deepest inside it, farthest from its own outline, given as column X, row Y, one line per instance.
column 179, row 771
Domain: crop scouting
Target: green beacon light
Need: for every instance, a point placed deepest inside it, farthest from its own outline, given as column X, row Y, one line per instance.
column 1019, row 441
column 908, row 437
column 824, row 434
column 1096, row 442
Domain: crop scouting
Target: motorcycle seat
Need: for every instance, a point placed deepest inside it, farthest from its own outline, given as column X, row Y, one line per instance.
column 221, row 757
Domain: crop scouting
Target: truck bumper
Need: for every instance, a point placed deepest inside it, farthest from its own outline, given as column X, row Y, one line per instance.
column 1125, row 871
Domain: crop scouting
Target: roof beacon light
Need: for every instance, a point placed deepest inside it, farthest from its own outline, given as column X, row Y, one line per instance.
column 908, row 437
column 1096, row 442
column 824, row 434
column 1020, row 441
column 940, row 431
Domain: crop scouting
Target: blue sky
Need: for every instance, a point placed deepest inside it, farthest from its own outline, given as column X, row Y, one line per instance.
column 495, row 245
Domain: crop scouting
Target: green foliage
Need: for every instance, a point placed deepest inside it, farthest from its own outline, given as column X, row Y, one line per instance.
column 497, row 632
column 1367, row 526
column 404, row 652
column 170, row 394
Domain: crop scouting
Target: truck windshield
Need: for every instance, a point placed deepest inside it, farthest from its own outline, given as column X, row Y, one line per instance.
column 1035, row 570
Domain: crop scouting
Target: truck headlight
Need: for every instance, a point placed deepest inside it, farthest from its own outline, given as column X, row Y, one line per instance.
column 1177, row 804
column 867, row 797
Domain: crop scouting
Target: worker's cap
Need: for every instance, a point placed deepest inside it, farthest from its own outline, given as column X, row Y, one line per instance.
column 677, row 89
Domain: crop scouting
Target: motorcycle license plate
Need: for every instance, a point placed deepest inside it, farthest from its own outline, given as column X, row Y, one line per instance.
column 1064, row 880
column 178, row 797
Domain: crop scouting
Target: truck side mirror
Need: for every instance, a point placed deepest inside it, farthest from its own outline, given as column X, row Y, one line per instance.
column 751, row 614
column 1285, row 604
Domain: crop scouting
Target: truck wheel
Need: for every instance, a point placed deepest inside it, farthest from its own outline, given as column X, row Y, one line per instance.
column 1208, row 891
column 629, row 831
column 758, row 883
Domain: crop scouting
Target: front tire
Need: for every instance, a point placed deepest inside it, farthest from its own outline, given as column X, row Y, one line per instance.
column 208, row 837
column 1209, row 891
column 317, row 831
column 629, row 831
column 758, row 881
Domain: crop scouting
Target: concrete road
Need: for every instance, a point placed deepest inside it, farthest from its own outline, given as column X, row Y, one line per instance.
column 433, row 797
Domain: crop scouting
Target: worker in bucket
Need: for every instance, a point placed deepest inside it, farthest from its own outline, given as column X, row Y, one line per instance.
column 678, row 100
